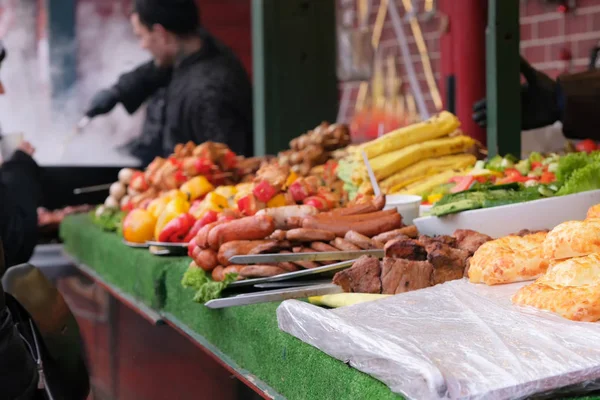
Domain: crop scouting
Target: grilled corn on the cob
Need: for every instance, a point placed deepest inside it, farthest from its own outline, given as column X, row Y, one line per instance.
column 437, row 126
column 426, row 185
column 388, row 164
column 426, row 168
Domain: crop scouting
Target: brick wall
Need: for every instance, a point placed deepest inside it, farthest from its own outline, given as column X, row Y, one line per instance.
column 545, row 32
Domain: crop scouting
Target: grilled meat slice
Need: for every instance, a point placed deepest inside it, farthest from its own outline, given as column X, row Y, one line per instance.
column 399, row 275
column 362, row 277
column 469, row 240
column 406, row 248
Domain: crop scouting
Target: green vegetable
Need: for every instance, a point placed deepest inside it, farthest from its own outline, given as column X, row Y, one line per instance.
column 535, row 157
column 582, row 180
column 194, row 278
column 524, row 167
column 546, row 191
column 495, row 164
column 109, row 219
column 206, row 288
column 212, row 290
column 569, row 164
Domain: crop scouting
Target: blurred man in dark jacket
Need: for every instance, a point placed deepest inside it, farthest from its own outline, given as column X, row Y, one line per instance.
column 197, row 89
column 573, row 99
column 20, row 190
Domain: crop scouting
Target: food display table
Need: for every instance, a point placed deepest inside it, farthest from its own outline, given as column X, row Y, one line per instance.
column 244, row 339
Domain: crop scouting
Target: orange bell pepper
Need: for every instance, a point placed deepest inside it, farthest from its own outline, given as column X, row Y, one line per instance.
column 138, row 226
column 292, row 177
column 277, row 201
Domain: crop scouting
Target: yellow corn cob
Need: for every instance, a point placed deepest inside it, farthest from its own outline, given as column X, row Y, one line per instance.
column 435, row 127
column 388, row 164
column 345, row 299
column 426, row 168
column 425, row 185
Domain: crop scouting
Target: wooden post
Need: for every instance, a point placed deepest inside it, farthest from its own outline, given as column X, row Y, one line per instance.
column 294, row 59
column 503, row 78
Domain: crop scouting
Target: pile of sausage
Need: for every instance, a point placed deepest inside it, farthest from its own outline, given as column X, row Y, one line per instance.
column 293, row 229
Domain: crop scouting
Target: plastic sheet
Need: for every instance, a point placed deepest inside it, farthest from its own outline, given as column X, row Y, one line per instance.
column 454, row 341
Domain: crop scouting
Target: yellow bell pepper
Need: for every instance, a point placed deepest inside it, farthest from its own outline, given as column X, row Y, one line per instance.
column 277, row 201
column 176, row 194
column 292, row 177
column 216, row 202
column 434, row 198
column 197, row 187
column 228, row 192
column 173, row 209
column 242, row 190
column 156, row 206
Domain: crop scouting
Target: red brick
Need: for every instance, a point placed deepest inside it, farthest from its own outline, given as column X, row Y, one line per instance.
column 577, row 23
column 387, row 33
column 584, row 47
column 553, row 50
column 546, row 29
column 536, row 8
column 526, row 31
column 595, row 22
column 535, row 54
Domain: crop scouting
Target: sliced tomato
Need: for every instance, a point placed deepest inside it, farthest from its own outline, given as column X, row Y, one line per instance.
column 547, row 177
column 463, row 184
column 587, row 145
column 535, row 165
column 456, row 179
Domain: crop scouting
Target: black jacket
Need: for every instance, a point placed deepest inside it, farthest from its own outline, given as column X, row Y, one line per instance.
column 20, row 196
column 207, row 96
column 581, row 97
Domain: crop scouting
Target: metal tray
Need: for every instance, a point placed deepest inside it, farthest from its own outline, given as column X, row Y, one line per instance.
column 295, row 274
column 168, row 245
column 136, row 245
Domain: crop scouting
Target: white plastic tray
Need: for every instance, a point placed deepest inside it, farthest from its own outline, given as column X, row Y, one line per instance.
column 504, row 220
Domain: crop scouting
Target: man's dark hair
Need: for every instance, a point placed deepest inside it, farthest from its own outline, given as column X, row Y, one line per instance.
column 2, row 52
column 181, row 17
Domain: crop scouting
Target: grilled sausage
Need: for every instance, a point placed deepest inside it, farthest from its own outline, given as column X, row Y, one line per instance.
column 238, row 248
column 281, row 215
column 344, row 245
column 249, row 228
column 410, row 231
column 217, row 274
column 376, row 204
column 361, row 241
column 205, row 258
column 321, row 247
column 261, row 271
column 368, row 228
column 309, row 235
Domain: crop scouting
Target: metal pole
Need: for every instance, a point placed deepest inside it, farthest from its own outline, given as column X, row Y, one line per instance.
column 503, row 78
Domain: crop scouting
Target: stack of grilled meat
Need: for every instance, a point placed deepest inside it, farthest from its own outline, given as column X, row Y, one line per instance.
column 413, row 263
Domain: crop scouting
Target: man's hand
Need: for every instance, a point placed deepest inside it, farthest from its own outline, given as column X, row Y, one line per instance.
column 539, row 100
column 103, row 102
column 27, row 148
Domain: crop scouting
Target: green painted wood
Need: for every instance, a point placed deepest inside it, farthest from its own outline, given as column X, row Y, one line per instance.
column 63, row 48
column 294, row 69
column 503, row 78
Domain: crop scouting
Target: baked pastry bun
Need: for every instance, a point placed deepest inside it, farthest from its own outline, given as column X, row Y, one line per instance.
column 573, row 239
column 593, row 212
column 570, row 288
column 509, row 259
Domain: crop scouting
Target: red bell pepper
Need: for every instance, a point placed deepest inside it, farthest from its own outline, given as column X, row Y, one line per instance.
column 229, row 160
column 247, row 205
column 547, row 177
column 138, row 182
column 204, row 166
column 176, row 230
column 180, row 177
column 264, row 191
column 127, row 206
column 208, row 218
column 463, row 184
column 318, row 202
column 298, row 191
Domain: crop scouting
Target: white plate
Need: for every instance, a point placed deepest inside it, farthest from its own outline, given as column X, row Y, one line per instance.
column 504, row 220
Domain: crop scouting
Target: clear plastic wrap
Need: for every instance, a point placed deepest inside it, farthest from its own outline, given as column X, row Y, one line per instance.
column 454, row 341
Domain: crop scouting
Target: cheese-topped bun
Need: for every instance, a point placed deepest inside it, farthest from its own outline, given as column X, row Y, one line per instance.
column 593, row 212
column 570, row 288
column 573, row 239
column 508, row 259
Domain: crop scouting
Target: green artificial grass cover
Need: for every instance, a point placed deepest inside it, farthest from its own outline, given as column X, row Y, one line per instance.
column 247, row 335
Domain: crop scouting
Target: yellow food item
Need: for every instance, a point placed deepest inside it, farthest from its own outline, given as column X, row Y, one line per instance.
column 228, row 192
column 345, row 299
column 573, row 239
column 138, row 226
column 434, row 198
column 215, row 202
column 426, row 168
column 426, row 185
column 243, row 189
column 277, row 201
column 437, row 126
column 508, row 259
column 388, row 164
column 157, row 206
column 570, row 288
column 292, row 177
column 197, row 187
column 177, row 205
column 175, row 194
column 166, row 217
